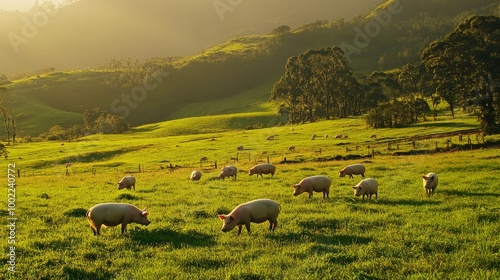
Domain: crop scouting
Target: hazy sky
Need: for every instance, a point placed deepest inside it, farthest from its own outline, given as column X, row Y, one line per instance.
column 22, row 5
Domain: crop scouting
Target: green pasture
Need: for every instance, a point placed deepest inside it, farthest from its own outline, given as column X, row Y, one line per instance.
column 401, row 235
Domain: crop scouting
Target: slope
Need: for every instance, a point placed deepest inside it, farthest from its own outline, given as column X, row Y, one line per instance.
column 251, row 62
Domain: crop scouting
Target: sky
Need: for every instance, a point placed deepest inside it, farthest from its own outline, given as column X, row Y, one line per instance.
column 21, row 5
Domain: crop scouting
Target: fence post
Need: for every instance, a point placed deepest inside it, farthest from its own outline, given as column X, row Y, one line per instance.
column 19, row 173
column 139, row 168
column 267, row 159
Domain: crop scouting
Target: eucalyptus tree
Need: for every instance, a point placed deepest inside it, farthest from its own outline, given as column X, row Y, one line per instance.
column 317, row 83
column 464, row 68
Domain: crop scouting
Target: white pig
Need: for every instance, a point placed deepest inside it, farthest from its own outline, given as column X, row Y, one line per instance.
column 127, row 182
column 318, row 183
column 228, row 171
column 354, row 169
column 430, row 182
column 195, row 175
column 255, row 211
column 366, row 187
column 263, row 168
column 113, row 214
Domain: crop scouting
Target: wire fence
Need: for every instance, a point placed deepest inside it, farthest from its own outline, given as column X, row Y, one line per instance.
column 338, row 151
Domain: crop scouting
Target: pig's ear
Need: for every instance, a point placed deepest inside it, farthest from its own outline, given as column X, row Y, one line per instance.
column 144, row 210
column 425, row 178
column 145, row 213
column 222, row 217
column 354, row 187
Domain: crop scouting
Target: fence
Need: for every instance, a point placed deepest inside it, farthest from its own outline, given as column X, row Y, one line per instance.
column 325, row 152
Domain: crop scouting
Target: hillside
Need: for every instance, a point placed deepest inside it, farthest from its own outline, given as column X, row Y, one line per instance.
column 67, row 38
column 244, row 64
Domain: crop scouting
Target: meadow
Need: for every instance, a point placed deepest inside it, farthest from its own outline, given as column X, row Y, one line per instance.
column 403, row 234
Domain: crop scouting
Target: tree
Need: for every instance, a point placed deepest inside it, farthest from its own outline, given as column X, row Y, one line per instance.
column 10, row 124
column 283, row 29
column 90, row 116
column 99, row 121
column 464, row 67
column 316, row 84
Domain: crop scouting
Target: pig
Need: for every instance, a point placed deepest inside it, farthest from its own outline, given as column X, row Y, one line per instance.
column 430, row 182
column 366, row 187
column 354, row 169
column 195, row 175
column 228, row 171
column 318, row 183
column 127, row 182
column 263, row 168
column 291, row 148
column 255, row 211
column 338, row 136
column 113, row 214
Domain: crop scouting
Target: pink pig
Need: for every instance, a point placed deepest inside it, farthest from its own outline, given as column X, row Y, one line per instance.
column 255, row 211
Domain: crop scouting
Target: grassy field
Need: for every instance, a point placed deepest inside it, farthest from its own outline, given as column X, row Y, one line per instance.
column 401, row 235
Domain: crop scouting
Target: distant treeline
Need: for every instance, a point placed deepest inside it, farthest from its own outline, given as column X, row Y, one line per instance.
column 463, row 69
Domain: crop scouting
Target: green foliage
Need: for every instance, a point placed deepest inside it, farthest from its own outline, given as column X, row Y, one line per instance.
column 99, row 121
column 316, row 84
column 463, row 68
column 397, row 113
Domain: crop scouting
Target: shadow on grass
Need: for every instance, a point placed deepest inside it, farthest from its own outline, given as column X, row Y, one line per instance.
column 445, row 124
column 340, row 239
column 79, row 273
column 408, row 202
column 176, row 239
column 468, row 193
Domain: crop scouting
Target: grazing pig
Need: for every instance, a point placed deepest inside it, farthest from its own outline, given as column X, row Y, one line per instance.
column 113, row 214
column 255, row 211
column 239, row 148
column 195, row 175
column 366, row 187
column 318, row 183
column 354, row 169
column 338, row 136
column 228, row 171
column 430, row 182
column 270, row 137
column 127, row 182
column 291, row 148
column 263, row 168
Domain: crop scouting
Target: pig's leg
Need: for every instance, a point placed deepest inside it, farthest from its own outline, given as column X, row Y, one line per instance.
column 247, row 225
column 124, row 227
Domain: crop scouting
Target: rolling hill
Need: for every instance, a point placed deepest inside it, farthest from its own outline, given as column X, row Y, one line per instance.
column 67, row 38
column 236, row 75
